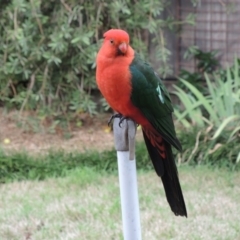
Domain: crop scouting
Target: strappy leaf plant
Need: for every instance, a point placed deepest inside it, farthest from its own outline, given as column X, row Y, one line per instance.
column 215, row 114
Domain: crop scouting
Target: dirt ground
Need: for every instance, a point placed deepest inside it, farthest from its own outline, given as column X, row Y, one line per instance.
column 94, row 134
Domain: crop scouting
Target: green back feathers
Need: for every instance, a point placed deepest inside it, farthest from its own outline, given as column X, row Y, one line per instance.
column 151, row 97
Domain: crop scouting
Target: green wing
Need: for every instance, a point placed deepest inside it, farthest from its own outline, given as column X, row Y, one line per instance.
column 151, row 97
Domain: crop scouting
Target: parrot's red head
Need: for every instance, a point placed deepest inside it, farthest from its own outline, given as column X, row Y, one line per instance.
column 116, row 43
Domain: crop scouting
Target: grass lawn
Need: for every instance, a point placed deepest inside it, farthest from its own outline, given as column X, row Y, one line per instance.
column 85, row 205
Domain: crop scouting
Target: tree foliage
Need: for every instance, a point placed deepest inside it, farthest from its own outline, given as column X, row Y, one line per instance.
column 48, row 48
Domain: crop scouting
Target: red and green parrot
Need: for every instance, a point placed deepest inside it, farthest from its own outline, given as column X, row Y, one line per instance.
column 133, row 89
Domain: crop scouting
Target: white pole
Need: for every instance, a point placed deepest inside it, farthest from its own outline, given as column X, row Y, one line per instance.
column 125, row 145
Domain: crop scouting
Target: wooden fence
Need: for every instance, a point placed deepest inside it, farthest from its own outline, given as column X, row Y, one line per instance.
column 217, row 27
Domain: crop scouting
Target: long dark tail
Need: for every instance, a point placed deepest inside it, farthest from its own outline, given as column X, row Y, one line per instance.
column 162, row 158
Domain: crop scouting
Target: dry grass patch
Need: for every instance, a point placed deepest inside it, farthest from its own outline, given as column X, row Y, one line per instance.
column 85, row 205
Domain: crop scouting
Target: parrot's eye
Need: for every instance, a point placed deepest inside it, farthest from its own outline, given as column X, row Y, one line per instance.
column 111, row 41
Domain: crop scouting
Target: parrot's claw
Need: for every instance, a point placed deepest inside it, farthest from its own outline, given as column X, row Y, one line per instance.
column 117, row 115
column 121, row 120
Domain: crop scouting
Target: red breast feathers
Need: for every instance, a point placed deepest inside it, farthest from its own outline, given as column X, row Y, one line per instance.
column 113, row 75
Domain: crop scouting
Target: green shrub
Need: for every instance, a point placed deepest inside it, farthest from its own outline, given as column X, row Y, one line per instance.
column 48, row 48
column 200, row 148
column 217, row 114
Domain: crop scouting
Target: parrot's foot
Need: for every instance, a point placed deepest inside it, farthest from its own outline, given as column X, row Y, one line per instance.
column 117, row 115
column 122, row 119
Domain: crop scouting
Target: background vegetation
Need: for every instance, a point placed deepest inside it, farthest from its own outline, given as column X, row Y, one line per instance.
column 48, row 49
column 212, row 115
column 47, row 67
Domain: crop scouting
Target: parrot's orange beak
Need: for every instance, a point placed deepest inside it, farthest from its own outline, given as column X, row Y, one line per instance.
column 123, row 47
